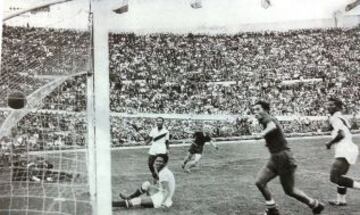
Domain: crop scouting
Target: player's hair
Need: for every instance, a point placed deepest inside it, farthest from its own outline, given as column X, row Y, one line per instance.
column 265, row 105
column 338, row 103
column 163, row 156
column 162, row 119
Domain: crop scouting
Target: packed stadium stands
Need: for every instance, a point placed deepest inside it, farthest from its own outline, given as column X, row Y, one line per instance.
column 186, row 74
column 170, row 73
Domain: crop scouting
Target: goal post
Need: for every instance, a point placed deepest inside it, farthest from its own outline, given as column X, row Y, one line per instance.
column 101, row 110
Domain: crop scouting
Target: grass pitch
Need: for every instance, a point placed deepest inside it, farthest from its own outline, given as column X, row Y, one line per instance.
column 223, row 184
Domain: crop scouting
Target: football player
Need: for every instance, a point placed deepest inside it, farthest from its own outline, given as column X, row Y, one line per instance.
column 157, row 196
column 196, row 149
column 346, row 152
column 281, row 163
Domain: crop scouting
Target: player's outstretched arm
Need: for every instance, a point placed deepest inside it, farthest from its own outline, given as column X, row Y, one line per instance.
column 340, row 135
column 270, row 126
column 167, row 143
column 214, row 144
column 148, row 140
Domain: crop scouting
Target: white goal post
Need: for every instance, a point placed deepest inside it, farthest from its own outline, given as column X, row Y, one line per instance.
column 102, row 141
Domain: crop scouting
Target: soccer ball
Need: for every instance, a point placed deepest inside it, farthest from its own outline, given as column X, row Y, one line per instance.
column 16, row 100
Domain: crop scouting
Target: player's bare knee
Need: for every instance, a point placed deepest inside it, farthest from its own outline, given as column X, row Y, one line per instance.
column 145, row 186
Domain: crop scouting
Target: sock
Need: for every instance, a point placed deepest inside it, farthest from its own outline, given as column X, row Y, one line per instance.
column 313, row 203
column 120, row 204
column 341, row 198
column 137, row 193
column 270, row 204
column 341, row 194
column 356, row 185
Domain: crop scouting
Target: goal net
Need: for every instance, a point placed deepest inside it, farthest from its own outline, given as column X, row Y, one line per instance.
column 44, row 147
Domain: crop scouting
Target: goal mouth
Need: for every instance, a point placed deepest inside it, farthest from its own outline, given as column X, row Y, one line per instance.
column 43, row 146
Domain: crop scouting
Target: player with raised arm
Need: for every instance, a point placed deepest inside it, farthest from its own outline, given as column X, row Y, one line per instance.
column 196, row 149
column 346, row 152
column 281, row 163
column 157, row 196
column 159, row 139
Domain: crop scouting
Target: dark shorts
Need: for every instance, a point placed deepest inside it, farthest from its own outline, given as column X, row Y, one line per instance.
column 195, row 149
column 282, row 162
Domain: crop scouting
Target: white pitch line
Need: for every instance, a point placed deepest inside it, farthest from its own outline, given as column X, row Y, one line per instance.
column 182, row 144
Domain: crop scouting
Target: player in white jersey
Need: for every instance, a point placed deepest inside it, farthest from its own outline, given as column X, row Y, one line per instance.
column 159, row 139
column 158, row 196
column 346, row 152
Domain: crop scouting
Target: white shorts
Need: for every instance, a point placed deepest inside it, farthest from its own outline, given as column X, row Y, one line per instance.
column 348, row 151
column 157, row 199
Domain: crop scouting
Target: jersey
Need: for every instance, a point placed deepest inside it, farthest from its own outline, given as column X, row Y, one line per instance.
column 165, row 175
column 159, row 138
column 345, row 148
column 275, row 139
column 201, row 139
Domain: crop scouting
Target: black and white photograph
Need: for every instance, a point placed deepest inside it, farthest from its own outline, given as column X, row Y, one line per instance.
column 216, row 107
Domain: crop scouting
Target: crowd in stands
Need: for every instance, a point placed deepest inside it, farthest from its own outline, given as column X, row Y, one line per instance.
column 193, row 74
column 29, row 52
column 169, row 73
column 184, row 74
column 49, row 130
column 67, row 97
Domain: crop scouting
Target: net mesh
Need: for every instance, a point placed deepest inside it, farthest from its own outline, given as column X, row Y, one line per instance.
column 43, row 146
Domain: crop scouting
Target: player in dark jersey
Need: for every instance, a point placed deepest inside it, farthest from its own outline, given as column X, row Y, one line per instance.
column 196, row 150
column 281, row 162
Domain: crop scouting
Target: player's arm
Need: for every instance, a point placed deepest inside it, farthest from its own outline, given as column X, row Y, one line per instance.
column 167, row 143
column 214, row 144
column 270, row 126
column 211, row 141
column 340, row 135
column 148, row 140
column 337, row 126
column 165, row 191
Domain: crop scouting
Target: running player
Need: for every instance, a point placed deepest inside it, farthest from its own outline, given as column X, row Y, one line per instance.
column 158, row 196
column 196, row 150
column 346, row 152
column 281, row 163
column 159, row 139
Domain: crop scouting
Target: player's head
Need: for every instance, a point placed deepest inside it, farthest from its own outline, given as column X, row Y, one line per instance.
column 260, row 109
column 161, row 161
column 334, row 105
column 159, row 122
